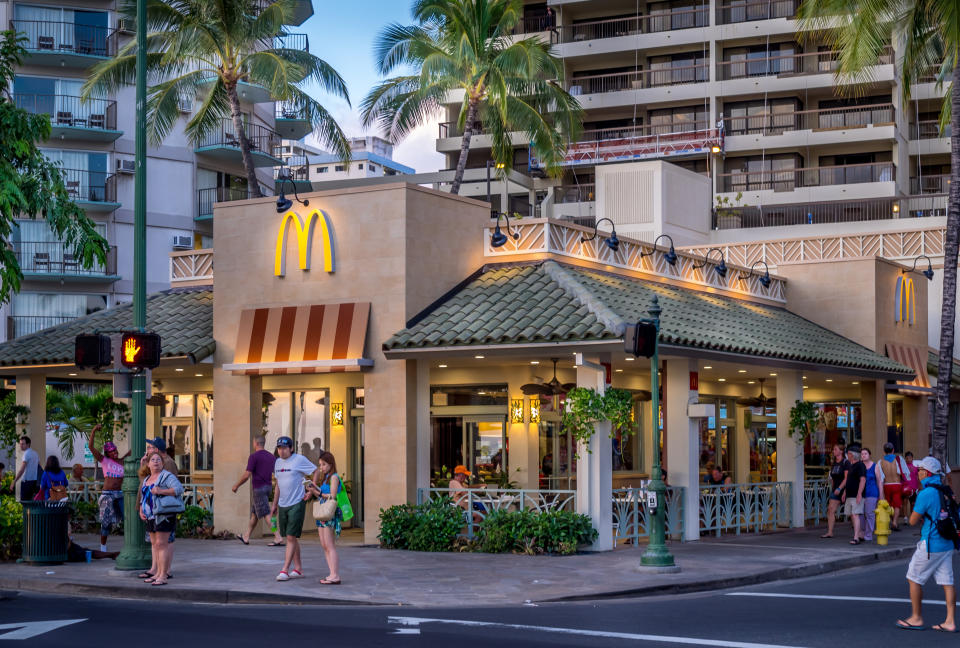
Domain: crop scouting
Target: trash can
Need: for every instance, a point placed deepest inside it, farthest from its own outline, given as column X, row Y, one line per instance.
column 45, row 538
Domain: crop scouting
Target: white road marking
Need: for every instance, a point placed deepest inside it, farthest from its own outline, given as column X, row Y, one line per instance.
column 407, row 631
column 694, row 641
column 827, row 597
column 30, row 629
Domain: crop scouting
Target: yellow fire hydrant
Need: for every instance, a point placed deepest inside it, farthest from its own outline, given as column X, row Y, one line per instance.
column 884, row 512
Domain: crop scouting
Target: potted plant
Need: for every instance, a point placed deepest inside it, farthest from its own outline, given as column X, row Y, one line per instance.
column 585, row 407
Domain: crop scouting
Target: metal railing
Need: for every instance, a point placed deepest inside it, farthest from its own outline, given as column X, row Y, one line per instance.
column 193, row 494
column 261, row 138
column 66, row 37
column 655, row 78
column 816, row 498
column 583, row 192
column 777, row 123
column 477, row 503
column 930, row 184
column 790, row 179
column 452, row 129
column 738, row 12
column 65, row 110
column 631, row 518
column 534, row 24
column 929, row 129
column 826, row 62
column 655, row 21
column 625, row 132
column 90, row 186
column 845, row 211
column 292, row 41
column 18, row 325
column 207, row 197
column 286, row 110
column 745, row 507
column 55, row 258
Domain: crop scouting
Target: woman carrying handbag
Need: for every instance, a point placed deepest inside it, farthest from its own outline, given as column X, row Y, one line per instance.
column 161, row 501
column 328, row 515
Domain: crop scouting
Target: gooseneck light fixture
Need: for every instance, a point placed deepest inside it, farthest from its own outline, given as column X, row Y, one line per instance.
column 764, row 279
column 928, row 273
column 721, row 267
column 498, row 238
column 612, row 241
column 670, row 256
column 284, row 203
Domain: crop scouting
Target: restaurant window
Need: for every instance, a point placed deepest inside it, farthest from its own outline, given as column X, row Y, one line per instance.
column 455, row 395
column 469, row 427
column 177, row 427
column 628, row 448
column 300, row 415
column 204, row 432
column 716, row 436
column 837, row 422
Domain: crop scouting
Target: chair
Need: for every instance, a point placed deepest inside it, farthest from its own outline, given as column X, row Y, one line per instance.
column 45, row 42
column 97, row 121
column 73, row 188
column 70, row 263
column 41, row 260
column 80, row 121
column 64, row 118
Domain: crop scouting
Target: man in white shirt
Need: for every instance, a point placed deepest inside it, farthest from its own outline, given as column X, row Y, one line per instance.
column 29, row 470
column 289, row 500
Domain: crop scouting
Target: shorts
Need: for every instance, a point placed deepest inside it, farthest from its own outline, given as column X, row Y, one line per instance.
column 28, row 489
column 852, row 507
column 110, row 504
column 290, row 520
column 162, row 523
column 260, row 504
column 835, row 497
column 923, row 565
column 893, row 493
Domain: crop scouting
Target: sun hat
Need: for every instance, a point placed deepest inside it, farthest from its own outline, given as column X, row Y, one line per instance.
column 461, row 470
column 930, row 464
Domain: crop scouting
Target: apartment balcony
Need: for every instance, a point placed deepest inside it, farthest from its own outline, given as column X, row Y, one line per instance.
column 290, row 122
column 740, row 12
column 53, row 260
column 929, row 129
column 930, row 184
column 535, row 25
column 812, row 184
column 818, row 127
column 773, row 73
column 292, row 41
column 94, row 120
column 578, row 193
column 206, row 198
column 248, row 92
column 20, row 325
column 223, row 145
column 191, row 268
column 820, row 213
column 297, row 171
column 94, row 191
column 600, row 36
column 302, row 10
column 65, row 44
column 640, row 86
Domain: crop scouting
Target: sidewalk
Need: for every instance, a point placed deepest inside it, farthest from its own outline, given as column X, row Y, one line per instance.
column 217, row 571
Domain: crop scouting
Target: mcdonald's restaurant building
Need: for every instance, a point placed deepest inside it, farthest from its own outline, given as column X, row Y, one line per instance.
column 380, row 323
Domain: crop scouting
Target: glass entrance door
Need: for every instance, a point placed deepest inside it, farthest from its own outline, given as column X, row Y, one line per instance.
column 763, row 450
column 486, row 443
column 178, row 435
column 356, row 470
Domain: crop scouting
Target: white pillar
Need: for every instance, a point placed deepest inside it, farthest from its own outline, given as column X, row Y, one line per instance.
column 789, row 452
column 682, row 441
column 423, row 423
column 32, row 393
column 595, row 467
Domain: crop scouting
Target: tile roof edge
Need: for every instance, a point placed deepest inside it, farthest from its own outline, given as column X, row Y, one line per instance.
column 568, row 281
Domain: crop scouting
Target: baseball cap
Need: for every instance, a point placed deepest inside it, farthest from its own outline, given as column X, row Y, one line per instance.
column 158, row 443
column 284, row 442
column 930, row 464
column 461, row 470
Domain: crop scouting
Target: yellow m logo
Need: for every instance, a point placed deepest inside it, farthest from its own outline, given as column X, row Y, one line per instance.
column 304, row 233
column 905, row 301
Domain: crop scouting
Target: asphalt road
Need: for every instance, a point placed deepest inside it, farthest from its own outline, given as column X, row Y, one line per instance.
column 788, row 613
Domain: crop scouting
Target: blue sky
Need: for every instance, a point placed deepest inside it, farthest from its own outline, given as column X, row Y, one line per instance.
column 342, row 33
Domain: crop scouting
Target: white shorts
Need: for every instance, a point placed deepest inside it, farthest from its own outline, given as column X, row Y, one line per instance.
column 853, row 507
column 923, row 565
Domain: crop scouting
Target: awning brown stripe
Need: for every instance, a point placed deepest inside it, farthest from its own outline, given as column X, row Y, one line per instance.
column 314, row 328
column 342, row 340
column 912, row 357
column 255, row 347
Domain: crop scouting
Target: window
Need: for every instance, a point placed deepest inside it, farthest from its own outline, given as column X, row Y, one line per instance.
column 32, row 312
column 717, row 436
column 360, row 166
column 340, row 167
column 628, row 446
column 301, row 415
column 373, row 168
column 759, row 117
column 323, row 169
column 64, row 29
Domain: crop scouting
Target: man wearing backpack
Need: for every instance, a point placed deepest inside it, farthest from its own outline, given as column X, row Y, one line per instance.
column 937, row 510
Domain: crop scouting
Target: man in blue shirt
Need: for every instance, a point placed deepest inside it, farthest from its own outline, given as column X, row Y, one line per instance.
column 934, row 554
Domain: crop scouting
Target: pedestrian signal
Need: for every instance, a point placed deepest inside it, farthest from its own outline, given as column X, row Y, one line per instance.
column 91, row 351
column 640, row 339
column 140, row 351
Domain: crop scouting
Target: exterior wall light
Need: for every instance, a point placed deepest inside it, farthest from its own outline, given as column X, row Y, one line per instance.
column 669, row 256
column 516, row 410
column 764, row 280
column 534, row 410
column 721, row 268
column 928, row 273
column 612, row 241
column 284, row 203
column 336, row 413
column 498, row 238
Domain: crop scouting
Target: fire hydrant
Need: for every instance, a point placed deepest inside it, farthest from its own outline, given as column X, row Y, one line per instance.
column 883, row 512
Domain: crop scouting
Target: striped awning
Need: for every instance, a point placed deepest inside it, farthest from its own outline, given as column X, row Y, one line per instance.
column 322, row 338
column 915, row 358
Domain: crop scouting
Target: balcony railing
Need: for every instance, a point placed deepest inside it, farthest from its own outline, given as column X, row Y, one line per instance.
column 929, row 129
column 20, row 325
column 452, row 129
column 640, row 143
column 583, row 192
column 625, row 132
column 64, row 110
column 738, row 12
column 67, row 37
column 786, row 65
column 535, row 24
column 90, row 186
column 296, row 173
column 781, row 122
column 790, row 179
column 286, row 110
column 930, row 184
column 659, row 21
column 601, row 83
column 261, row 138
column 292, row 41
column 54, row 258
column 207, row 197
column 191, row 266
column 846, row 211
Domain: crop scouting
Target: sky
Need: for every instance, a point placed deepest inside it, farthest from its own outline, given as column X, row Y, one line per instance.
column 342, row 33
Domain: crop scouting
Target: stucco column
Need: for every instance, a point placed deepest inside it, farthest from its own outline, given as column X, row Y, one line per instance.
column 741, row 448
column 916, row 426
column 595, row 466
column 32, row 392
column 873, row 413
column 682, row 440
column 789, row 452
column 423, row 423
column 237, row 419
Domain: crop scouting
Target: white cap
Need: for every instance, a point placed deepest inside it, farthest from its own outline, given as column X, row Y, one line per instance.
column 930, row 464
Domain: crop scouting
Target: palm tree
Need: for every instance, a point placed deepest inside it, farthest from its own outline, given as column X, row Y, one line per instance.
column 205, row 48
column 927, row 33
column 509, row 84
column 76, row 413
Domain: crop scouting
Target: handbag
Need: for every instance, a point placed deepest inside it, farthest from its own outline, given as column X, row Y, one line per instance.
column 57, row 492
column 167, row 503
column 324, row 509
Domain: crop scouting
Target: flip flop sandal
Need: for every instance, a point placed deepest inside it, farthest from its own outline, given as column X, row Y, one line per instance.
column 903, row 625
column 156, row 583
column 145, row 574
column 276, row 544
column 329, row 582
column 240, row 538
column 151, row 580
column 939, row 628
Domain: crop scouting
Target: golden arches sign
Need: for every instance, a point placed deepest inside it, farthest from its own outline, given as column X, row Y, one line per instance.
column 304, row 232
column 905, row 300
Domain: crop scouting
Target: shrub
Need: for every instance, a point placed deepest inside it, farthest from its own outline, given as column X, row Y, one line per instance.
column 531, row 532
column 431, row 526
column 85, row 517
column 195, row 522
column 395, row 525
column 11, row 528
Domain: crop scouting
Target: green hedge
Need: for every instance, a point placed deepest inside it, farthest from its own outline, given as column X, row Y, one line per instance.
column 11, row 528
column 431, row 526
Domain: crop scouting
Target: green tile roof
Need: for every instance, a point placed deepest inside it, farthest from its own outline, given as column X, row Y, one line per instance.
column 551, row 302
column 183, row 317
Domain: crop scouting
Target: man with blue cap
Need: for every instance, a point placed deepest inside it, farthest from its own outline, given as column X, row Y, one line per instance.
column 289, row 503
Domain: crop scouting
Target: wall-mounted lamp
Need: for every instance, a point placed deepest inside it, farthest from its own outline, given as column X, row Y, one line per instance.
column 336, row 413
column 670, row 256
column 612, row 241
column 896, row 208
column 715, row 149
column 928, row 273
column 534, row 410
column 721, row 268
column 516, row 410
column 498, row 238
column 764, row 280
column 284, row 203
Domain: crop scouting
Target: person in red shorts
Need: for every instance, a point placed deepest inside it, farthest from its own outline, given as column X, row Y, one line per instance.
column 895, row 474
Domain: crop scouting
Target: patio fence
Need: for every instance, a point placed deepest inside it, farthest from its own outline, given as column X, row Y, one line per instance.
column 816, row 497
column 737, row 508
column 481, row 502
column 631, row 517
column 193, row 494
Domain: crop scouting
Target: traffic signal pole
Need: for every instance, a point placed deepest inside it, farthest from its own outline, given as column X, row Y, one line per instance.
column 135, row 553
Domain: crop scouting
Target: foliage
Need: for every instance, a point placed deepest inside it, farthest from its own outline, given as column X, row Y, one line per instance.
column 441, row 478
column 76, row 413
column 803, row 417
column 11, row 415
column 195, row 522
column 32, row 185
column 585, row 407
column 509, row 84
column 532, row 532
column 11, row 528
column 431, row 526
column 204, row 49
column 726, row 208
column 501, row 479
column 85, row 518
column 618, row 409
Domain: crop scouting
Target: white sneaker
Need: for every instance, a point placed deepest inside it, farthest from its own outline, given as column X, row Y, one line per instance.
column 283, row 576
column 295, row 574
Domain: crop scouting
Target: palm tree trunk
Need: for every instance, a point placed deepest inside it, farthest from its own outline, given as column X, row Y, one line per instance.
column 951, row 246
column 253, row 187
column 464, row 146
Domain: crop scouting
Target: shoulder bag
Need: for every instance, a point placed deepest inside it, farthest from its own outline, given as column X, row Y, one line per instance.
column 167, row 503
column 324, row 509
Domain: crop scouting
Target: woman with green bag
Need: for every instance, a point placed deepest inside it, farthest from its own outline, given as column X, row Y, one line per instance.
column 330, row 489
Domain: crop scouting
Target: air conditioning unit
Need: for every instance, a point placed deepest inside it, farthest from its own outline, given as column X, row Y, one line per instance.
column 182, row 242
column 126, row 166
column 126, row 26
column 185, row 104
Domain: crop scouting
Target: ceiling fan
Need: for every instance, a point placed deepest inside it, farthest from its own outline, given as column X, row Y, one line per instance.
column 552, row 388
column 756, row 401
